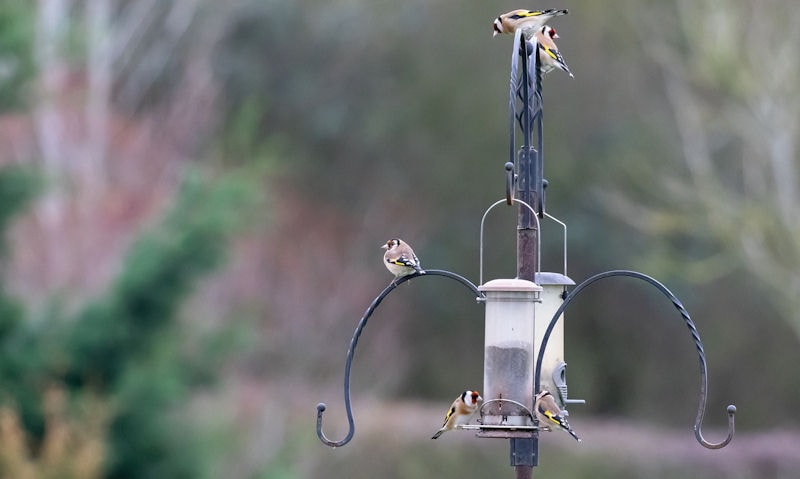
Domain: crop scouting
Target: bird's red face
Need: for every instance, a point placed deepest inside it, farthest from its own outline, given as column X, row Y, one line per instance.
column 551, row 32
column 496, row 26
column 473, row 398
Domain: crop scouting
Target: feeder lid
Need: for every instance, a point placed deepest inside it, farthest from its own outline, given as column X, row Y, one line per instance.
column 547, row 278
column 514, row 284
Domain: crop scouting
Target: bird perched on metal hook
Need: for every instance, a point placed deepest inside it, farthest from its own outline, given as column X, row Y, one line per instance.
column 528, row 20
column 400, row 259
column 549, row 414
column 549, row 56
column 462, row 410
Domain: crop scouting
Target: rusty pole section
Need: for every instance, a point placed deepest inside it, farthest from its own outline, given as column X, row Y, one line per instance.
column 524, row 453
column 524, row 472
column 527, row 232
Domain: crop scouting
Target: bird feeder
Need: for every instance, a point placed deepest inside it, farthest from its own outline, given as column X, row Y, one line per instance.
column 553, row 377
column 524, row 331
column 509, row 352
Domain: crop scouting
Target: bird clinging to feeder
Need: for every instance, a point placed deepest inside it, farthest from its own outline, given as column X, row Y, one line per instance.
column 464, row 407
column 549, row 414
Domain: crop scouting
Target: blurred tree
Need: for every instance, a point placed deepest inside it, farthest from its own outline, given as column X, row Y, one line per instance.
column 122, row 98
column 16, row 52
column 18, row 186
column 732, row 77
column 131, row 343
column 73, row 446
column 128, row 346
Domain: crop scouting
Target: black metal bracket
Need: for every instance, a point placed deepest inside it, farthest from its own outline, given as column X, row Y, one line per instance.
column 354, row 342
column 701, row 408
column 525, row 86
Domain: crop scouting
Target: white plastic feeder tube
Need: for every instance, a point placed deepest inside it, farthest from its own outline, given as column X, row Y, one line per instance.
column 509, row 349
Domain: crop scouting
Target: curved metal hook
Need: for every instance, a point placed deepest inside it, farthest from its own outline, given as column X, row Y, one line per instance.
column 535, row 73
column 512, row 99
column 483, row 219
column 698, row 424
column 701, row 408
column 510, row 177
column 321, row 407
column 502, row 401
column 564, row 227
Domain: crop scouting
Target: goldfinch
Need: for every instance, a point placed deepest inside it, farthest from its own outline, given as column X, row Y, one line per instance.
column 462, row 410
column 549, row 56
column 400, row 259
column 549, row 414
column 526, row 19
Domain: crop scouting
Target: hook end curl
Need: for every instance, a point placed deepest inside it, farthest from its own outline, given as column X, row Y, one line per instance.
column 321, row 407
column 731, row 410
column 510, row 177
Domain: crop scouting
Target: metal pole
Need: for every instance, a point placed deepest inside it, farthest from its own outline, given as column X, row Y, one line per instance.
column 524, row 472
column 527, row 232
column 525, row 451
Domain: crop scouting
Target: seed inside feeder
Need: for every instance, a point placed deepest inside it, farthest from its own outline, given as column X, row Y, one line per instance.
column 507, row 375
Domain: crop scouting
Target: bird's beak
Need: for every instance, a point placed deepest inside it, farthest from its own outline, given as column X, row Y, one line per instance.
column 384, row 246
column 494, row 34
column 556, row 36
